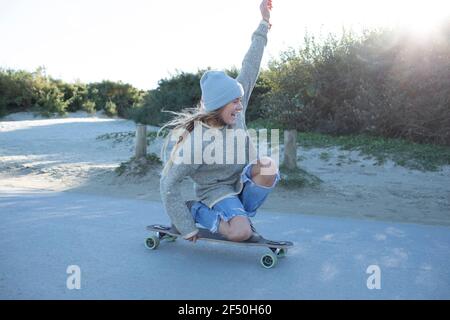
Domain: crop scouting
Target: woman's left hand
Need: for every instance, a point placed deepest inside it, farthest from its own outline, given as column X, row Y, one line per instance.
column 193, row 238
column 265, row 7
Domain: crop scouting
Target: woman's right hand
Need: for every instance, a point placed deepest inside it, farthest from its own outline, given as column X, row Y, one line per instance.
column 265, row 7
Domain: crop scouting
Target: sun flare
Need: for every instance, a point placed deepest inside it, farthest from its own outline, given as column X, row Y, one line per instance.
column 419, row 17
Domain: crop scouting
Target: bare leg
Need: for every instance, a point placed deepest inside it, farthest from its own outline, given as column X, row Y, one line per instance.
column 237, row 229
column 264, row 173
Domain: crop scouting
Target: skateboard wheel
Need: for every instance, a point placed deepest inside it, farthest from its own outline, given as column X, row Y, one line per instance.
column 152, row 243
column 269, row 260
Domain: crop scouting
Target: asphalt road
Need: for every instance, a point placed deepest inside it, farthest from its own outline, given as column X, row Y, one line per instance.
column 53, row 242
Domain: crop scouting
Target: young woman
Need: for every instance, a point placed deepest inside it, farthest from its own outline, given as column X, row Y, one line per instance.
column 228, row 192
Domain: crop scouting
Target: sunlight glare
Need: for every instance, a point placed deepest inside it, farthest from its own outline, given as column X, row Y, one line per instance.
column 419, row 17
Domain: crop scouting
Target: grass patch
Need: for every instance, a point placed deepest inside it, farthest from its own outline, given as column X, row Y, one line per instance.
column 138, row 167
column 298, row 178
column 424, row 157
column 325, row 156
column 117, row 137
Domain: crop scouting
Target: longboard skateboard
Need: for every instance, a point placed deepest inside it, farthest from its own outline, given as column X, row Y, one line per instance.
column 269, row 260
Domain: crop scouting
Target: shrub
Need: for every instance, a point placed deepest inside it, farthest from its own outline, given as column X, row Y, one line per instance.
column 88, row 106
column 35, row 91
column 110, row 109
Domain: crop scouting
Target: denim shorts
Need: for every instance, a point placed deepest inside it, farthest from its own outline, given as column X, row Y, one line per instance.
column 244, row 204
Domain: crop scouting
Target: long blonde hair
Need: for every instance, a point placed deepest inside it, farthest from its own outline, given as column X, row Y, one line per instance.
column 181, row 125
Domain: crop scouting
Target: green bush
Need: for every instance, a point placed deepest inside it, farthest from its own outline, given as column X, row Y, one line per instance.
column 89, row 107
column 174, row 94
column 110, row 109
column 47, row 98
column 50, row 102
column 76, row 96
column 35, row 91
column 17, row 90
column 124, row 96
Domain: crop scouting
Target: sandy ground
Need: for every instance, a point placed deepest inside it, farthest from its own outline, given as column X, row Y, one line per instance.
column 64, row 154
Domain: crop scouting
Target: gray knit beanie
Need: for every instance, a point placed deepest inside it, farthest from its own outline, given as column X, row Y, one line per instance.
column 219, row 89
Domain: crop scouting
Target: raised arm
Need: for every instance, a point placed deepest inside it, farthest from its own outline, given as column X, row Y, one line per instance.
column 252, row 60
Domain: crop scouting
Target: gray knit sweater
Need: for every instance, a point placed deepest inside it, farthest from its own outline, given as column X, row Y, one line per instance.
column 214, row 182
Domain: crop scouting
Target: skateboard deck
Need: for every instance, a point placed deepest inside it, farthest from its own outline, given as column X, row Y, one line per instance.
column 278, row 248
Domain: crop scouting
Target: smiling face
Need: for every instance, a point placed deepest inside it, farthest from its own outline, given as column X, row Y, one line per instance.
column 229, row 112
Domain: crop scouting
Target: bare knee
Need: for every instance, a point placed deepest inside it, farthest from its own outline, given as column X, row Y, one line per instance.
column 237, row 229
column 239, row 235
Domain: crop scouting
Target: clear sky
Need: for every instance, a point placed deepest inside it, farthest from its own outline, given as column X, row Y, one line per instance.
column 142, row 41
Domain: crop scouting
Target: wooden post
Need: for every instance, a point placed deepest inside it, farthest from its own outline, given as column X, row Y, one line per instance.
column 141, row 141
column 290, row 149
